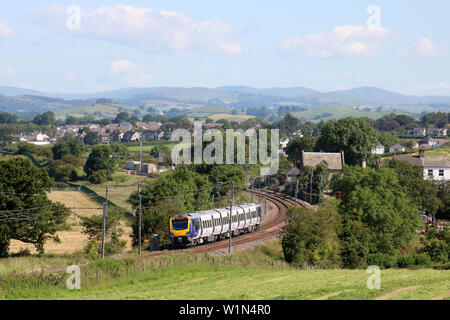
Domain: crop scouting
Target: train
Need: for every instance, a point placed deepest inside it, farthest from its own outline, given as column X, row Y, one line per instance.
column 192, row 229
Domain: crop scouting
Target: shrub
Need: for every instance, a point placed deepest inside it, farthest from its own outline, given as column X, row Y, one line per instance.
column 437, row 249
column 98, row 177
column 384, row 261
column 311, row 237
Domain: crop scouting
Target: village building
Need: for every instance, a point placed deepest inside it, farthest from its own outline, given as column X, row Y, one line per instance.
column 434, row 168
column 397, row 148
column 334, row 162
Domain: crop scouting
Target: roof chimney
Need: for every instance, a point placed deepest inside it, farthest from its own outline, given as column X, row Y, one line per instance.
column 422, row 152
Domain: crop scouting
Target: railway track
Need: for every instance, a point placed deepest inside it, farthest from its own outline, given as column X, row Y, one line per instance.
column 269, row 228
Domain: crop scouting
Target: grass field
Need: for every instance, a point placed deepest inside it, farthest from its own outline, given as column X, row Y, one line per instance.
column 219, row 281
column 122, row 184
column 107, row 111
column 337, row 112
column 73, row 240
column 230, row 117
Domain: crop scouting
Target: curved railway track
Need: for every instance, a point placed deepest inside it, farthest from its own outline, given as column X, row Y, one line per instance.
column 269, row 228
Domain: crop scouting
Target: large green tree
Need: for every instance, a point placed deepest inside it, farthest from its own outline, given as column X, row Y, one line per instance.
column 26, row 214
column 378, row 216
column 296, row 146
column 100, row 162
column 355, row 136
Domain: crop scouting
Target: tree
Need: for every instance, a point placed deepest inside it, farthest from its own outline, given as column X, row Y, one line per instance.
column 355, row 136
column 423, row 193
column 100, row 160
column 155, row 219
column 288, row 125
column 92, row 138
column 122, row 117
column 68, row 146
column 93, row 228
column 387, row 139
column 27, row 214
column 378, row 217
column 296, row 146
column 47, row 118
column 311, row 237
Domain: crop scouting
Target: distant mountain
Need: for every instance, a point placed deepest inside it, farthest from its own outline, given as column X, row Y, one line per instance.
column 14, row 91
column 13, row 99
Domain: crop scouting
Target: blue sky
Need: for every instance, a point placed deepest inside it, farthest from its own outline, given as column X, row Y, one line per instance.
column 324, row 45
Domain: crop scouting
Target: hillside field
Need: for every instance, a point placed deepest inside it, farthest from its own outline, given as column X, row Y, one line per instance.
column 337, row 112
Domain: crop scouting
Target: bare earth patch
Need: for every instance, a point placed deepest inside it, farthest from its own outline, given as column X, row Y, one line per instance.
column 330, row 295
column 396, row 293
column 442, row 297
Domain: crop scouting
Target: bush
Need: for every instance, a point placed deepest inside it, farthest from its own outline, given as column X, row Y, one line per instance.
column 384, row 261
column 98, row 177
column 437, row 249
column 412, row 260
column 311, row 237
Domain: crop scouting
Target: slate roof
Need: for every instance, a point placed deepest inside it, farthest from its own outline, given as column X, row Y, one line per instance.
column 441, row 162
column 333, row 161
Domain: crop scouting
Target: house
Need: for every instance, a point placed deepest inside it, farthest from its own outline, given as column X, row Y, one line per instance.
column 397, row 148
column 131, row 136
column 417, row 132
column 434, row 168
column 379, row 149
column 334, row 162
column 437, row 132
column 147, row 168
column 430, row 142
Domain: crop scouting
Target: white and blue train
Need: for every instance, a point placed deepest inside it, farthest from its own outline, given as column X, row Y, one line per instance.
column 213, row 225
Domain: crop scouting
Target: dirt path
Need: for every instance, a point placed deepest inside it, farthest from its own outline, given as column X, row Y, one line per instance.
column 396, row 293
column 442, row 297
column 330, row 295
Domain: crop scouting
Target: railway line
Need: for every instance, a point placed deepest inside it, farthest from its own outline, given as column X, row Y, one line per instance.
column 269, row 228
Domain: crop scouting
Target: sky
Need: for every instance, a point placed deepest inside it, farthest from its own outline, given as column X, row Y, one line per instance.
column 90, row 46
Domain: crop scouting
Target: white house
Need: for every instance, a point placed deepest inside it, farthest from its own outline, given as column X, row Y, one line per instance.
column 434, row 168
column 379, row 149
column 397, row 148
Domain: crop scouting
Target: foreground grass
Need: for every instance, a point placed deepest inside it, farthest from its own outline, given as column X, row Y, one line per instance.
column 238, row 280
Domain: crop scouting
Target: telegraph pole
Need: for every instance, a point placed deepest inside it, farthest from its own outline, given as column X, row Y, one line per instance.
column 140, row 218
column 311, row 191
column 218, row 193
column 296, row 193
column 105, row 212
column 229, row 227
column 141, row 156
column 259, row 182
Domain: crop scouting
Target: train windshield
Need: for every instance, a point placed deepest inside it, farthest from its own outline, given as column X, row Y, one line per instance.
column 180, row 224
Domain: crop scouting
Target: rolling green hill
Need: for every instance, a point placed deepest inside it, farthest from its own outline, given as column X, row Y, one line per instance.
column 337, row 112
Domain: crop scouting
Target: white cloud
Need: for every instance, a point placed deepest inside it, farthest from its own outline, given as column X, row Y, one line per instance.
column 350, row 40
column 130, row 74
column 157, row 30
column 422, row 48
column 6, row 30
